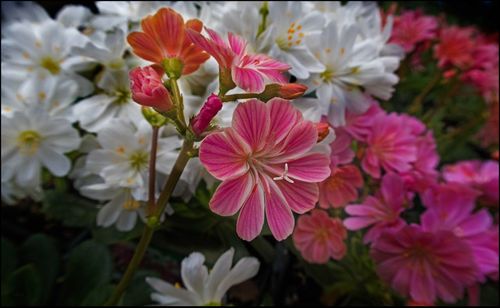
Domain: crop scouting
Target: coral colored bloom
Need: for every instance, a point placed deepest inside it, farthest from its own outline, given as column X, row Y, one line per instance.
column 425, row 266
column 211, row 107
column 249, row 72
column 381, row 211
column 148, row 89
column 291, row 90
column 455, row 46
column 164, row 37
column 411, row 28
column 319, row 237
column 341, row 187
column 266, row 166
column 481, row 175
column 391, row 145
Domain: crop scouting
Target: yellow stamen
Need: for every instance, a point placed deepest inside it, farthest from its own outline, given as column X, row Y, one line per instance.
column 29, row 142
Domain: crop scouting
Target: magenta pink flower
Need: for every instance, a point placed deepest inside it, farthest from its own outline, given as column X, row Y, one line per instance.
column 425, row 266
column 249, row 72
column 341, row 187
column 474, row 228
column 148, row 89
column 455, row 47
column 359, row 126
column 449, row 193
column 481, row 175
column 424, row 173
column 390, row 145
column 266, row 165
column 342, row 152
column 211, row 107
column 411, row 28
column 381, row 212
column 319, row 237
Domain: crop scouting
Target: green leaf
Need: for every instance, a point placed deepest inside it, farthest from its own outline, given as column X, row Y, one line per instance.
column 40, row 250
column 9, row 259
column 89, row 267
column 139, row 291
column 98, row 296
column 23, row 287
column 111, row 235
column 72, row 210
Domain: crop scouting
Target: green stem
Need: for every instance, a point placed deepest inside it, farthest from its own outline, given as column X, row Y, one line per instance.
column 147, row 234
column 416, row 105
column 234, row 97
column 152, row 170
column 179, row 104
column 264, row 11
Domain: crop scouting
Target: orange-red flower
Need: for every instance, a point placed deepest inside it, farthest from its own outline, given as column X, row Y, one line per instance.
column 164, row 38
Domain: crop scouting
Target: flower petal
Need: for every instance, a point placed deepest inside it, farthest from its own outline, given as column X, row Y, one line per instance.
column 300, row 196
column 248, row 79
column 231, row 195
column 278, row 214
column 312, row 167
column 251, row 218
column 251, row 120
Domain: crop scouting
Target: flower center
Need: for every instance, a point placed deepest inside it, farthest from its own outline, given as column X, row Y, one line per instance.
column 122, row 97
column 327, row 75
column 131, row 204
column 213, row 304
column 116, row 64
column 294, row 36
column 284, row 176
column 321, row 235
column 29, row 141
column 51, row 65
column 139, row 160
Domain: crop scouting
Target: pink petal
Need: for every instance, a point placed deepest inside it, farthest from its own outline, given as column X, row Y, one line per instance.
column 392, row 189
column 251, row 218
column 237, row 43
column 477, row 223
column 248, row 79
column 300, row 196
column 222, row 157
column 312, row 167
column 283, row 117
column 278, row 214
column 300, row 140
column 222, row 54
column 251, row 121
column 231, row 195
column 356, row 223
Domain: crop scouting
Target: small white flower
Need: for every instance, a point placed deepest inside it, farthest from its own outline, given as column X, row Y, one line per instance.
column 52, row 94
column 202, row 287
column 33, row 139
column 42, row 50
column 114, row 101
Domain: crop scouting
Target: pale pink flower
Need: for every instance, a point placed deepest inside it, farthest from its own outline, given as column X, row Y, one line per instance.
column 319, row 237
column 381, row 212
column 455, row 47
column 249, row 72
column 359, row 125
column 474, row 228
column 425, row 266
column 481, row 175
column 266, row 165
column 148, row 90
column 341, row 187
column 391, row 145
column 411, row 28
column 211, row 107
column 424, row 173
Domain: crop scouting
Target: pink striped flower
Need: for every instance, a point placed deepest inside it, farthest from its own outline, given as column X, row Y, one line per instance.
column 381, row 212
column 411, row 28
column 425, row 266
column 481, row 175
column 391, row 145
column 319, row 237
column 249, row 72
column 266, row 166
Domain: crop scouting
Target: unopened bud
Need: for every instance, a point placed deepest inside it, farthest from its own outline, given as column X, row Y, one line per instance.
column 201, row 121
column 148, row 90
column 323, row 130
column 285, row 91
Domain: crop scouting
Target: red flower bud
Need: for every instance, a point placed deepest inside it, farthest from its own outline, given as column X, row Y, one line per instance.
column 322, row 130
column 211, row 107
column 148, row 90
column 292, row 90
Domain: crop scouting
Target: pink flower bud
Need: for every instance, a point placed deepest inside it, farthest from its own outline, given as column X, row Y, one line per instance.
column 201, row 121
column 148, row 89
column 292, row 90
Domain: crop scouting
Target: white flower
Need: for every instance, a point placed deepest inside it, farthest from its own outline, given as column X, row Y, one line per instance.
column 202, row 287
column 11, row 192
column 119, row 14
column 52, row 94
column 293, row 26
column 42, row 50
column 115, row 100
column 33, row 139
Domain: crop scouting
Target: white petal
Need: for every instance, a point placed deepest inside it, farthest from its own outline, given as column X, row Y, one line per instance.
column 245, row 269
column 126, row 220
column 57, row 163
column 170, row 295
column 194, row 274
column 218, row 273
column 110, row 212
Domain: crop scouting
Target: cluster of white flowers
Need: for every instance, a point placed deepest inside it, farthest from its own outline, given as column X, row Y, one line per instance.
column 65, row 80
